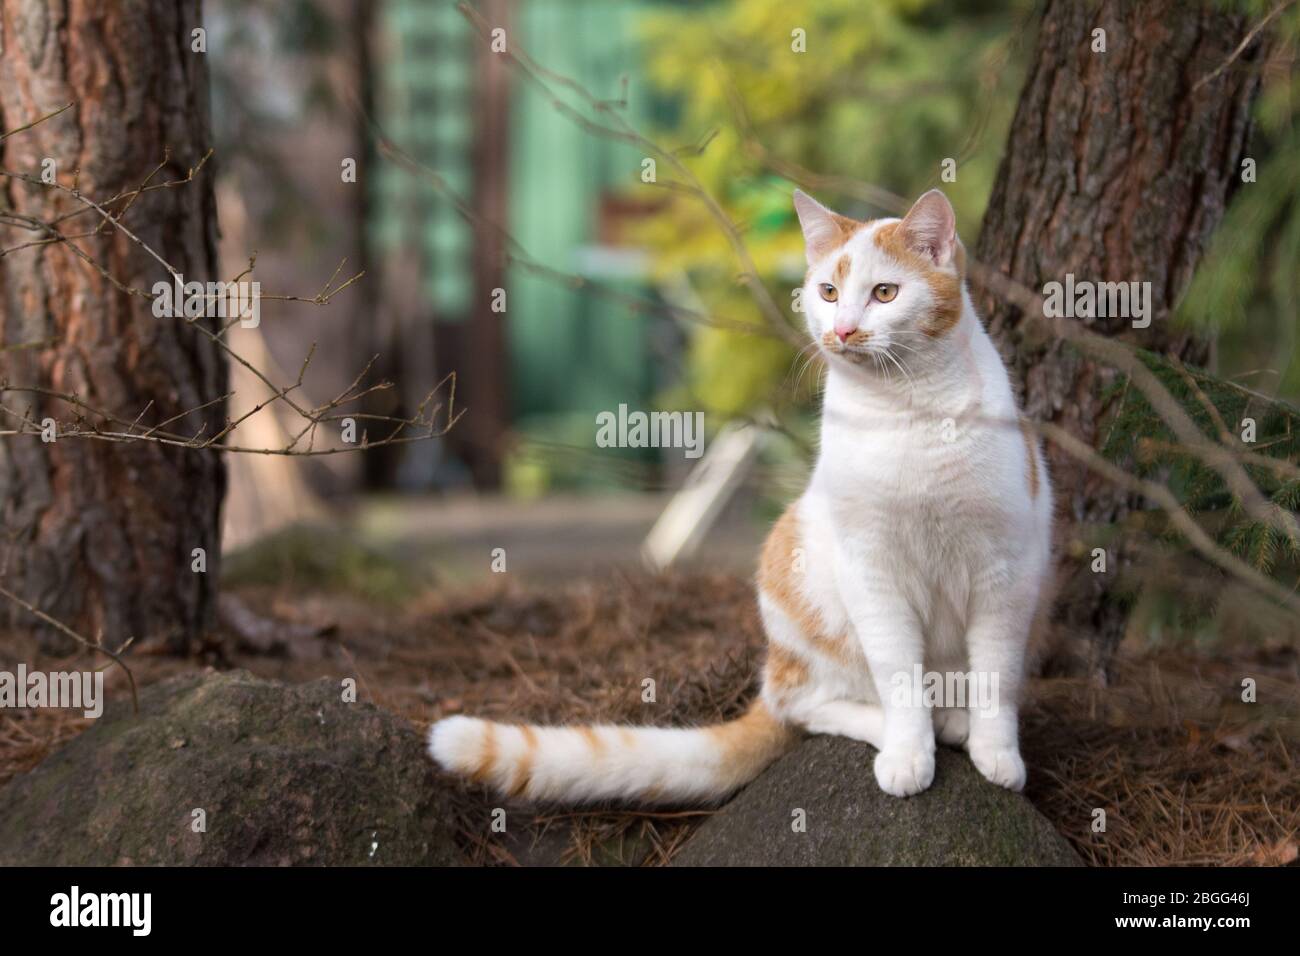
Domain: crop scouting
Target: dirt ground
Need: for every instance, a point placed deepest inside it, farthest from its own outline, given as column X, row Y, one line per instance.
column 1185, row 771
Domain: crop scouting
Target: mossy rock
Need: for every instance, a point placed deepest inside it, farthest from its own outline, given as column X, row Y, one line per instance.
column 285, row 774
column 962, row 820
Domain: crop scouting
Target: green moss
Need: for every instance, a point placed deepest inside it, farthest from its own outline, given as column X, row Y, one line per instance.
column 962, row 820
column 322, row 559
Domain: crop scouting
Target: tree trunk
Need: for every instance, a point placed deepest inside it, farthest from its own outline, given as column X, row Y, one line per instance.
column 373, row 333
column 1117, row 168
column 99, row 534
column 483, row 356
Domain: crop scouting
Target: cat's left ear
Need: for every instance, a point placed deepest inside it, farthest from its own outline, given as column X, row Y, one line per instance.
column 930, row 228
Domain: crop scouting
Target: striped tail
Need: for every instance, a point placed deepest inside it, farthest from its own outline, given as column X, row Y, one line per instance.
column 650, row 765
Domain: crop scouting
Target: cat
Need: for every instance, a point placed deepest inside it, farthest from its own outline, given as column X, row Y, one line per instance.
column 922, row 543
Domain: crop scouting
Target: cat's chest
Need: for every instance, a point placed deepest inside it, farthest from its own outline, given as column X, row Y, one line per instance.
column 916, row 465
column 924, row 497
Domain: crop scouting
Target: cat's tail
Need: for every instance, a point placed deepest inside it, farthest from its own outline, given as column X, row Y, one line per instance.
column 582, row 764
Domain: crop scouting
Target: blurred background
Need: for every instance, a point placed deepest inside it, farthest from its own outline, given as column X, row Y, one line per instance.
column 476, row 173
column 605, row 275
column 576, row 207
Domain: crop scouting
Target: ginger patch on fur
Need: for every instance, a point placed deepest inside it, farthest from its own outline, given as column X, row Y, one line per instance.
column 778, row 579
column 945, row 286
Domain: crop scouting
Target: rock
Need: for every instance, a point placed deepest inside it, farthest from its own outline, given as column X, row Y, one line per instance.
column 962, row 820
column 284, row 774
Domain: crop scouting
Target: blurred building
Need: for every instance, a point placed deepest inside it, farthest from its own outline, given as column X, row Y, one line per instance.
column 548, row 207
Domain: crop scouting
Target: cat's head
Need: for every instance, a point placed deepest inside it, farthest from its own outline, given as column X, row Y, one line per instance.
column 882, row 289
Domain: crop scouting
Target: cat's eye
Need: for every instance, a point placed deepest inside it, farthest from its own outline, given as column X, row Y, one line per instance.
column 829, row 292
column 885, row 292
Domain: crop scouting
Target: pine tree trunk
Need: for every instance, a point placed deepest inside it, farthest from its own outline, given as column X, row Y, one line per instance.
column 1117, row 168
column 99, row 534
column 483, row 384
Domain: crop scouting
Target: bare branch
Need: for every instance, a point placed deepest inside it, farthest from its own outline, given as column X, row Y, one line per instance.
column 64, row 629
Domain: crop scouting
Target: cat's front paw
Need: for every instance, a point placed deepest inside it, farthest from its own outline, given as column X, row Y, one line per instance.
column 1000, row 765
column 902, row 773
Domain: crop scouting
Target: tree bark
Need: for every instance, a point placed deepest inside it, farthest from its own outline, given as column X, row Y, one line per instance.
column 1117, row 168
column 101, row 535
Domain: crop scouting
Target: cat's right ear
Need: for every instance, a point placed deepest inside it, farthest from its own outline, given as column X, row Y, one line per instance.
column 823, row 230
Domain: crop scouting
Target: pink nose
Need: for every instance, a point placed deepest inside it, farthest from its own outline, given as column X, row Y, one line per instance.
column 843, row 334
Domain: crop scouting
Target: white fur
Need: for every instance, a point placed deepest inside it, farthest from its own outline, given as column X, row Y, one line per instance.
column 654, row 764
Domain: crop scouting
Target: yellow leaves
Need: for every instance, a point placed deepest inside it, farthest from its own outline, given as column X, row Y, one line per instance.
column 882, row 94
column 734, row 371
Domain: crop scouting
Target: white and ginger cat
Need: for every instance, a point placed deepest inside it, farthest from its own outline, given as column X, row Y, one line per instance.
column 922, row 544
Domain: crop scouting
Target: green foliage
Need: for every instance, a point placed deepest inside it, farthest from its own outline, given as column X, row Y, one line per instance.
column 884, row 92
column 1170, row 591
column 1141, row 441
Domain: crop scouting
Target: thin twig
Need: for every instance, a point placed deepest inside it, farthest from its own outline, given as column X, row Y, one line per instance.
column 64, row 629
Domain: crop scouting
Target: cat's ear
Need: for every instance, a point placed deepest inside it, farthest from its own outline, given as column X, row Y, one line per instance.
column 930, row 228
column 823, row 230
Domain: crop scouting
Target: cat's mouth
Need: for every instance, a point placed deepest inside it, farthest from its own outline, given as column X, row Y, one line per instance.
column 853, row 348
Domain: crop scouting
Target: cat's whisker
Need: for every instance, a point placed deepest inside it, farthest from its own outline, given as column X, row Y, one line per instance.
column 796, row 369
column 881, row 367
column 802, row 372
column 897, row 364
column 794, row 362
column 814, row 353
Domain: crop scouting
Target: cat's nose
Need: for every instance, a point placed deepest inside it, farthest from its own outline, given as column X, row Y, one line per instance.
column 843, row 333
